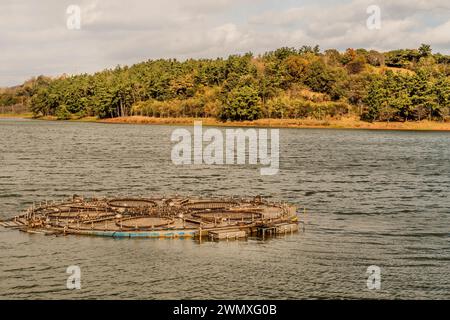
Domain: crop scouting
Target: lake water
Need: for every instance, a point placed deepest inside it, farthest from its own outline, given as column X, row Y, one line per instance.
column 372, row 198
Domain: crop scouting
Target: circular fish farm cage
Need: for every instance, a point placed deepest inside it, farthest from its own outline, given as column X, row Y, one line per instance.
column 79, row 215
column 142, row 223
column 158, row 217
column 229, row 215
column 200, row 205
column 70, row 213
column 131, row 203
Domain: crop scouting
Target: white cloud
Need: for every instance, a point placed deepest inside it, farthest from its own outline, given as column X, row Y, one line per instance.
column 405, row 23
column 439, row 35
column 34, row 39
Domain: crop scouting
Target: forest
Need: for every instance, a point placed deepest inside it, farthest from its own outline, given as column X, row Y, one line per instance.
column 399, row 85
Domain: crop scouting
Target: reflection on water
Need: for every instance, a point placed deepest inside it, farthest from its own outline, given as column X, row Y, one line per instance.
column 372, row 198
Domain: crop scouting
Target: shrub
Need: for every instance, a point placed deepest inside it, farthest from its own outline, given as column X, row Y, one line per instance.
column 242, row 104
column 62, row 113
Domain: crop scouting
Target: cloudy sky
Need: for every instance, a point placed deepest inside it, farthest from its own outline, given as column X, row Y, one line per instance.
column 35, row 39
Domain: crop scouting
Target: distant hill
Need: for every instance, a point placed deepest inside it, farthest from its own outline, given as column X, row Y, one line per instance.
column 399, row 85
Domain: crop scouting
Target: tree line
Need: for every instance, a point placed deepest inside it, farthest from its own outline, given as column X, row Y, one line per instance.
column 399, row 85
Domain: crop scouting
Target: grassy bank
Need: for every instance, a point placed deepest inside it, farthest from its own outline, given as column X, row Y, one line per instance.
column 17, row 115
column 48, row 118
column 343, row 123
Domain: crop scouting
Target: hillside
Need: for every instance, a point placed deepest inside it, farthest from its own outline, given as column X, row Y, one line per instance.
column 288, row 83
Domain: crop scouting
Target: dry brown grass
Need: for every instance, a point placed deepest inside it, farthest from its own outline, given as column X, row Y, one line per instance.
column 344, row 123
column 16, row 115
column 383, row 69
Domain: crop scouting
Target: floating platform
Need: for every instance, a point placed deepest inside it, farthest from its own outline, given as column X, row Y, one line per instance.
column 227, row 234
column 158, row 217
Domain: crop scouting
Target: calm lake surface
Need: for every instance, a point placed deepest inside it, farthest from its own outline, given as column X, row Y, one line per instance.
column 372, row 198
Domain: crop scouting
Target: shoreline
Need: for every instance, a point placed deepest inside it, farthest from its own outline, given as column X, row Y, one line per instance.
column 344, row 123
